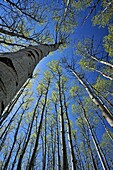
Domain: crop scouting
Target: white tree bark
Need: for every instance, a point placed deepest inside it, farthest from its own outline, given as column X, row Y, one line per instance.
column 101, row 61
column 96, row 145
column 96, row 100
column 104, row 164
column 103, row 74
column 17, row 67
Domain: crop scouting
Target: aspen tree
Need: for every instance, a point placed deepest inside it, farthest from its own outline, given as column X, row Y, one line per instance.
column 17, row 67
column 98, row 102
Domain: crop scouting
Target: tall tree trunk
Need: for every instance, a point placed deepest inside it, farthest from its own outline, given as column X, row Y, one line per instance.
column 58, row 154
column 48, row 156
column 54, row 151
column 80, row 164
column 17, row 67
column 15, row 140
column 58, row 140
column 103, row 154
column 45, row 142
column 16, row 155
column 73, row 159
column 53, row 146
column 97, row 147
column 98, row 102
column 29, row 130
column 91, row 153
column 32, row 160
column 104, row 125
column 63, row 142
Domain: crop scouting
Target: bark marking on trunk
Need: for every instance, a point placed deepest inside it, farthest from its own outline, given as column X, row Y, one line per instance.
column 17, row 67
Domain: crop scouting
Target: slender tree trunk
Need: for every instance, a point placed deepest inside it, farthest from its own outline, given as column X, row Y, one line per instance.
column 53, row 146
column 86, row 153
column 103, row 74
column 22, row 11
column 105, row 111
column 32, row 160
column 80, row 163
column 104, row 125
column 103, row 163
column 54, row 152
column 87, row 163
column 63, row 142
column 58, row 146
column 17, row 67
column 102, row 153
column 15, row 138
column 48, row 156
column 12, row 103
column 91, row 154
column 28, row 136
column 101, row 61
column 29, row 155
column 17, row 152
column 45, row 142
column 104, row 98
column 96, row 146
column 58, row 140
column 9, row 124
column 23, row 147
column 73, row 159
column 4, row 138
